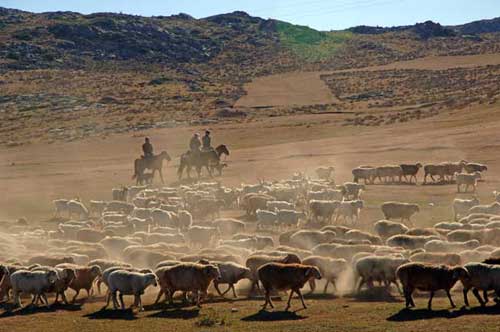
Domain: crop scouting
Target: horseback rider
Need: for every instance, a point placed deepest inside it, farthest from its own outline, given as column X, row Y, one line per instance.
column 147, row 148
column 195, row 144
column 207, row 141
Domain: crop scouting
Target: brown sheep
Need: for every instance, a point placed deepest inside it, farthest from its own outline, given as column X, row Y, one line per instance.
column 252, row 202
column 282, row 277
column 431, row 278
column 256, row 261
column 410, row 170
column 84, row 279
column 187, row 277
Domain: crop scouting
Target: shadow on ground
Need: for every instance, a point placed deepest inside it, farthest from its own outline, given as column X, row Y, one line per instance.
column 272, row 316
column 10, row 310
column 406, row 315
column 127, row 314
column 176, row 313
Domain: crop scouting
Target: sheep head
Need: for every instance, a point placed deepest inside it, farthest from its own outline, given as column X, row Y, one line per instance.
column 460, row 273
column 313, row 272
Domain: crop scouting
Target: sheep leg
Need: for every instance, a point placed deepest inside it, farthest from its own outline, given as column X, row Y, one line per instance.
column 478, row 297
column 63, row 297
column 361, row 282
column 429, row 304
column 74, row 297
column 89, row 293
column 267, row 300
column 466, row 300
column 198, row 299
column 301, row 298
column 158, row 297
column 449, row 297
column 234, row 291
column 216, row 286
column 121, row 301
column 138, row 302
column 99, row 282
column 57, row 298
column 44, row 300
column 289, row 300
column 312, row 286
column 325, row 289
column 170, row 295
column 108, row 298
column 485, row 295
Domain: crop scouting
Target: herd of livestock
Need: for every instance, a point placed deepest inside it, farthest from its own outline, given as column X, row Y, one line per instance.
column 294, row 232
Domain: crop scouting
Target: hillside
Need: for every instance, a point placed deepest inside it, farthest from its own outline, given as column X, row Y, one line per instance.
column 66, row 76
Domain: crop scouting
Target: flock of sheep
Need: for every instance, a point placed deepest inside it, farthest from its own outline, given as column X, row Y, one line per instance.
column 173, row 238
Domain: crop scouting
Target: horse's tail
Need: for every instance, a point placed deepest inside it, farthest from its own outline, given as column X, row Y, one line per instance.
column 136, row 169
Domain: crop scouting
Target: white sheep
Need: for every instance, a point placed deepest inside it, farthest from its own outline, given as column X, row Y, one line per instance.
column 32, row 282
column 349, row 210
column 461, row 207
column 352, row 190
column 61, row 207
column 378, row 268
column 96, row 208
column 77, row 208
column 129, row 283
column 467, row 180
column 493, row 208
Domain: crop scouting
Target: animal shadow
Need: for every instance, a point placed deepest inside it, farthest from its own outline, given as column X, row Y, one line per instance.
column 177, row 313
column 127, row 314
column 272, row 316
column 11, row 310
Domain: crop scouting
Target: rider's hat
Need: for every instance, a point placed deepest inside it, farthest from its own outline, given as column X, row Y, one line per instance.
column 207, row 131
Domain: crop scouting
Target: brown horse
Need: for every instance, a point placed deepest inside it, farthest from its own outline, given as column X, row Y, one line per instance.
column 154, row 163
column 206, row 159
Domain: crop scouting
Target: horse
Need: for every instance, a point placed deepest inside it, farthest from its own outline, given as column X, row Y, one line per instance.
column 202, row 159
column 154, row 163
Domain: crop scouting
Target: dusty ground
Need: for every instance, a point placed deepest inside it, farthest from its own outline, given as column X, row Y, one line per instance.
column 267, row 148
column 325, row 313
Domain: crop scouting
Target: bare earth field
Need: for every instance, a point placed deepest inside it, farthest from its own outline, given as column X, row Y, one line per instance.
column 267, row 148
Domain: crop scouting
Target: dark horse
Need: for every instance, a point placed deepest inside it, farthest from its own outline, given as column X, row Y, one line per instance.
column 154, row 163
column 206, row 159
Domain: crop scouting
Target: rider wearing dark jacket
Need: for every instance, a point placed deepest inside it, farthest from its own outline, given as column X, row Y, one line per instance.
column 207, row 141
column 147, row 148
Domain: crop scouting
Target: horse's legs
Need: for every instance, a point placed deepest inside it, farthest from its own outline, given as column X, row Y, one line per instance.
column 161, row 176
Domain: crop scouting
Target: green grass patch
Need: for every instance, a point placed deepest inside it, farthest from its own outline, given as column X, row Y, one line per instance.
column 309, row 44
